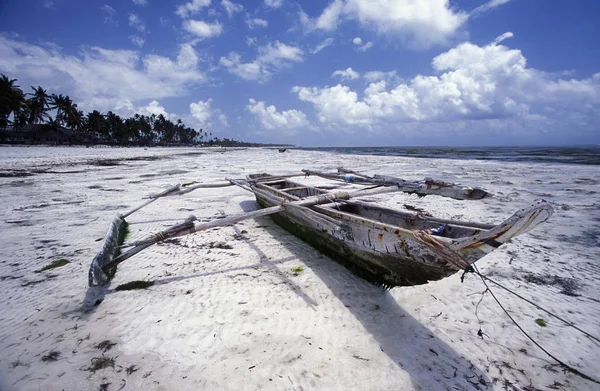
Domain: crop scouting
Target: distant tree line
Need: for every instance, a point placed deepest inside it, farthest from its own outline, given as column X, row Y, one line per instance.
column 40, row 110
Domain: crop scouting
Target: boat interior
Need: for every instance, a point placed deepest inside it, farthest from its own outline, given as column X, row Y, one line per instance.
column 375, row 214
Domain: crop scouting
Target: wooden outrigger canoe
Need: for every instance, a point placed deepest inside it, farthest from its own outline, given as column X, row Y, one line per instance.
column 385, row 246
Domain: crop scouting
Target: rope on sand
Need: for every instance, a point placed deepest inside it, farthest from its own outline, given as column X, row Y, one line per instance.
column 543, row 309
column 561, row 363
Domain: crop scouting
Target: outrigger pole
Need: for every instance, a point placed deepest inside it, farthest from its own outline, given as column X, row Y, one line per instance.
column 104, row 264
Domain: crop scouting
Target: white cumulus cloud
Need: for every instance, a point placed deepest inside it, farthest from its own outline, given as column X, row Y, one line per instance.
column 256, row 22
column 98, row 78
column 490, row 82
column 274, row 3
column 152, row 108
column 346, row 74
column 136, row 23
column 373, row 76
column 199, row 117
column 278, row 53
column 201, row 110
column 287, row 121
column 137, row 40
column 231, row 8
column 223, row 120
column 271, row 58
column 419, row 24
column 191, row 7
column 202, row 29
column 110, row 13
column 140, row 2
column 248, row 71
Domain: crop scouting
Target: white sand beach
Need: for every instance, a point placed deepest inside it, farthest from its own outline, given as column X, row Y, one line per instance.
column 226, row 311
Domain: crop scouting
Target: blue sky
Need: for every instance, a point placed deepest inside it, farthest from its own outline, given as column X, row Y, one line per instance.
column 319, row 73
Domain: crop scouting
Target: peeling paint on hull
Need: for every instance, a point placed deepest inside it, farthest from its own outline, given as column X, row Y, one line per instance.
column 386, row 270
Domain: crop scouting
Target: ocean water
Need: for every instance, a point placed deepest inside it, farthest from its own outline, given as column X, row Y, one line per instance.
column 570, row 155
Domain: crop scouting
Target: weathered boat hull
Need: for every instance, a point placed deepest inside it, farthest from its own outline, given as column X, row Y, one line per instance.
column 385, row 270
column 385, row 257
column 384, row 246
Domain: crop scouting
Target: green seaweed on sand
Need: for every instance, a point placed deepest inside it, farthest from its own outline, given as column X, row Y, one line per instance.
column 123, row 234
column 105, row 162
column 132, row 368
column 540, row 322
column 18, row 363
column 138, row 284
column 53, row 265
column 297, row 270
column 52, row 356
column 105, row 345
column 100, row 363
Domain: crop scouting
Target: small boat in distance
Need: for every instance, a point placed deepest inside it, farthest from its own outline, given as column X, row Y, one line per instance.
column 282, row 150
column 388, row 247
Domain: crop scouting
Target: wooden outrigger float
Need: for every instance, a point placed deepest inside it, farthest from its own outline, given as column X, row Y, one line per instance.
column 385, row 246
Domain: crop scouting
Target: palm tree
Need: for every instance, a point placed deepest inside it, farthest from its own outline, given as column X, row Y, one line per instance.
column 96, row 123
column 79, row 120
column 65, row 109
column 19, row 109
column 132, row 129
column 71, row 114
column 160, row 125
column 39, row 104
column 12, row 100
column 115, row 126
column 144, row 127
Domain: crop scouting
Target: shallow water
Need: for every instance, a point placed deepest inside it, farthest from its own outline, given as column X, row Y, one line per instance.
column 572, row 155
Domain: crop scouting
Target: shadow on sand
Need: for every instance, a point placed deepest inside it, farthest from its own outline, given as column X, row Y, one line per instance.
column 406, row 341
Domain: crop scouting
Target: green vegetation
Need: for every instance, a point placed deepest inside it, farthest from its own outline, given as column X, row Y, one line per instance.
column 101, row 363
column 53, row 265
column 105, row 345
column 138, row 284
column 124, row 233
column 540, row 322
column 52, row 356
column 39, row 117
column 132, row 368
column 297, row 270
column 18, row 363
